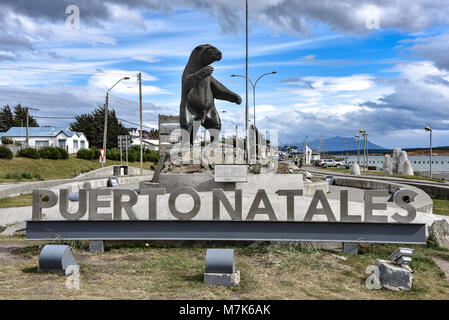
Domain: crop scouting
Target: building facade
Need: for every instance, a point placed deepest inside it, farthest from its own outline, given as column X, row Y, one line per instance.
column 48, row 137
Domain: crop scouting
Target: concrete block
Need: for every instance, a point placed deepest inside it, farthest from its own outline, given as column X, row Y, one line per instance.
column 96, row 246
column 351, row 248
column 393, row 276
column 58, row 259
column 222, row 279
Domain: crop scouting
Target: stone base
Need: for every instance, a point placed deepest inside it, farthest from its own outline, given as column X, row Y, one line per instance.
column 96, row 246
column 351, row 248
column 222, row 279
column 394, row 277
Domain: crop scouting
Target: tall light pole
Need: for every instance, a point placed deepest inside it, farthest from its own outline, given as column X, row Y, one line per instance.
column 27, row 121
column 254, row 84
column 358, row 148
column 365, row 144
column 139, row 78
column 105, row 130
column 346, row 147
column 246, row 98
column 429, row 129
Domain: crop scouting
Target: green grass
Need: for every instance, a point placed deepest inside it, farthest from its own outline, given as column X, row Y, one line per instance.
column 24, row 169
column 164, row 270
column 23, row 200
column 441, row 207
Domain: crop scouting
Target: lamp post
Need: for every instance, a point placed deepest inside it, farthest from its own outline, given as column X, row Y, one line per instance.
column 27, row 122
column 358, row 148
column 429, row 129
column 346, row 147
column 254, row 84
column 365, row 156
column 105, row 130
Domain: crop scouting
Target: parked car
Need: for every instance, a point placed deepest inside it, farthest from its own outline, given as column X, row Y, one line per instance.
column 330, row 163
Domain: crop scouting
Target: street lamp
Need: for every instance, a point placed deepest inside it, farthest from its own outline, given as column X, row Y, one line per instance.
column 254, row 84
column 346, row 146
column 105, row 130
column 365, row 151
column 27, row 122
column 429, row 129
column 358, row 148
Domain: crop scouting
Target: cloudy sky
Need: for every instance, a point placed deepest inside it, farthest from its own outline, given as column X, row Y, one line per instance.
column 336, row 71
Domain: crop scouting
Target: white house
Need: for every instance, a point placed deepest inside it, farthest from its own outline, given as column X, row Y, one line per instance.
column 49, row 137
column 151, row 144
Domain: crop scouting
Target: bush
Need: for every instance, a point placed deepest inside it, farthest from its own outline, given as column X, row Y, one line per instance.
column 88, row 154
column 53, row 153
column 28, row 153
column 6, row 140
column 23, row 175
column 5, row 153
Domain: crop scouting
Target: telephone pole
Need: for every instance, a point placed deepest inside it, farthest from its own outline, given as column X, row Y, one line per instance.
column 27, row 121
column 246, row 106
column 139, row 78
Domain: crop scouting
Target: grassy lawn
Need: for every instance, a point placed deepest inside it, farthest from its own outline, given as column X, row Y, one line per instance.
column 23, row 200
column 441, row 207
column 52, row 169
column 133, row 270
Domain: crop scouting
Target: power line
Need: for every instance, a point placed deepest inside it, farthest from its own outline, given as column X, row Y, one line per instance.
column 42, row 69
column 73, row 117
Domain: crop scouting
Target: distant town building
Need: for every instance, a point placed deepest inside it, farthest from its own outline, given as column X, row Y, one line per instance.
column 150, row 139
column 310, row 155
column 48, row 137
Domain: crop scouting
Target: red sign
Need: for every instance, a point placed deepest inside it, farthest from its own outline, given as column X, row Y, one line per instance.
column 102, row 155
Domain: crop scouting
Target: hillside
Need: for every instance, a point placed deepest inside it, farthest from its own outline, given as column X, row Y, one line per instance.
column 337, row 144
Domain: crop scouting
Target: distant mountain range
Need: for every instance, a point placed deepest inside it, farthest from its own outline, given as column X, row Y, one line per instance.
column 338, row 144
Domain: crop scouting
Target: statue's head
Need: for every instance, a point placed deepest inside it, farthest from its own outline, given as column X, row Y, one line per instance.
column 206, row 54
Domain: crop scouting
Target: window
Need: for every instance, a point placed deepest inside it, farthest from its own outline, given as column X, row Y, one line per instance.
column 42, row 143
column 83, row 144
column 75, row 144
column 61, row 143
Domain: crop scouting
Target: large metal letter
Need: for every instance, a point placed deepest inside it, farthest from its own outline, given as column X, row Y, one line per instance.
column 218, row 196
column 344, row 215
column 261, row 195
column 290, row 201
column 152, row 201
column 94, row 204
column 172, row 203
column 399, row 201
column 326, row 210
column 64, row 204
column 127, row 205
column 370, row 206
column 38, row 204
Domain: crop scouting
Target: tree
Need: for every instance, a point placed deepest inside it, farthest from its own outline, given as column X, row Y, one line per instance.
column 9, row 119
column 6, row 119
column 92, row 124
column 20, row 117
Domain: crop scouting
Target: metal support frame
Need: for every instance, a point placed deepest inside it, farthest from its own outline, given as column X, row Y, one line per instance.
column 406, row 233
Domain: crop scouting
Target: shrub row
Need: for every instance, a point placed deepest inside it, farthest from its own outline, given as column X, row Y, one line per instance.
column 88, row 154
column 23, row 175
column 114, row 154
column 53, row 153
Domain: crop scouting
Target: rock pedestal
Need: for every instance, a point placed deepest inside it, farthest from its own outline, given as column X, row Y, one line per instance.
column 355, row 169
column 399, row 164
column 394, row 277
column 439, row 232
